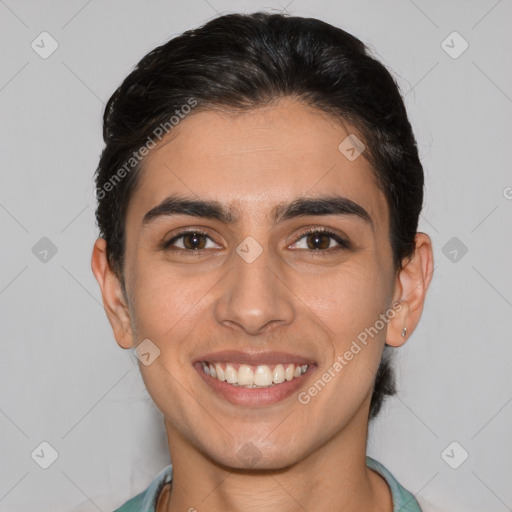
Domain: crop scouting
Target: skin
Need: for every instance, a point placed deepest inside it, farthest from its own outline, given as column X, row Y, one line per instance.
column 291, row 298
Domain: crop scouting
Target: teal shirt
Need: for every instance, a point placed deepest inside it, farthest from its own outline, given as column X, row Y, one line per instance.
column 403, row 500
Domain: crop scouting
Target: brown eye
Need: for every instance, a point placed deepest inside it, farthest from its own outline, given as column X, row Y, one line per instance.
column 191, row 241
column 194, row 241
column 318, row 241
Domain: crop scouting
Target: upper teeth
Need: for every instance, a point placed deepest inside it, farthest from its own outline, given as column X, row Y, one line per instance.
column 261, row 376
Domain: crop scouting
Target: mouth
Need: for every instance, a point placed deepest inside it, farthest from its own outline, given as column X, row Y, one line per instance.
column 254, row 379
column 250, row 376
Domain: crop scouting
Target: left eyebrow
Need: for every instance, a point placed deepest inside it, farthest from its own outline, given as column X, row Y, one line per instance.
column 299, row 207
column 323, row 205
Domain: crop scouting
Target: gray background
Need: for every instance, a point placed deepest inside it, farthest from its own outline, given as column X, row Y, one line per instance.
column 63, row 378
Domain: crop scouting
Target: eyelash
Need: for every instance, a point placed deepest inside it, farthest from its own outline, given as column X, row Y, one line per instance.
column 343, row 244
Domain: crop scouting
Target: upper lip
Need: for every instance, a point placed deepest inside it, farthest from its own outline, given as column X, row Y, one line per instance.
column 253, row 358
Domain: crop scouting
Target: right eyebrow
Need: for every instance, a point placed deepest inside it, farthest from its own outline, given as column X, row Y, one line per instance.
column 174, row 205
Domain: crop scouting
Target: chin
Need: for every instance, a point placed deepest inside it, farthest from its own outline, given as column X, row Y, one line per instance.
column 252, row 457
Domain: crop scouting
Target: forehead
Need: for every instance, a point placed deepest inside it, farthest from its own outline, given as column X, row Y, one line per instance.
column 254, row 160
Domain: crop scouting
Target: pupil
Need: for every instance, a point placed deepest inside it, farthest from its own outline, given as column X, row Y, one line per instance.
column 317, row 239
column 195, row 237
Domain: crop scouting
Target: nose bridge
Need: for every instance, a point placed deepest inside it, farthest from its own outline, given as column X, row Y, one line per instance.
column 253, row 295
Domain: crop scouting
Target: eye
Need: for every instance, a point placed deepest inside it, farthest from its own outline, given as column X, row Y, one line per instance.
column 316, row 240
column 192, row 240
column 320, row 240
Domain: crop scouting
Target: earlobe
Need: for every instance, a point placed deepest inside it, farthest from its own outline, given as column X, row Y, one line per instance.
column 397, row 331
column 411, row 288
column 114, row 300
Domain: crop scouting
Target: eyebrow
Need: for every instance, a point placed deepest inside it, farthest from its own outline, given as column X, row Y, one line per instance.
column 299, row 207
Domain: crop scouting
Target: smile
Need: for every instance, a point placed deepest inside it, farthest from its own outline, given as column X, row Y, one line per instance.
column 254, row 376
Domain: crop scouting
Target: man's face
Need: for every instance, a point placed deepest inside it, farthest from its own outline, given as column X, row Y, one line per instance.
column 259, row 287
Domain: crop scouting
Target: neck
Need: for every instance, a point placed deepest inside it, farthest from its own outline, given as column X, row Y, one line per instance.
column 333, row 477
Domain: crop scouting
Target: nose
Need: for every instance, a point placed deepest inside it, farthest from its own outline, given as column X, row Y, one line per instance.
column 254, row 295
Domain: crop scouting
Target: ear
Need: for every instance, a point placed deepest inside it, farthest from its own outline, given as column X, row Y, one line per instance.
column 411, row 287
column 114, row 300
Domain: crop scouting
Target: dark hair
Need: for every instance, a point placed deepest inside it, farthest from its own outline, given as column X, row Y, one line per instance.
column 239, row 62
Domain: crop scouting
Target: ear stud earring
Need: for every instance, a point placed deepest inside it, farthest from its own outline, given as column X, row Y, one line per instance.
column 404, row 332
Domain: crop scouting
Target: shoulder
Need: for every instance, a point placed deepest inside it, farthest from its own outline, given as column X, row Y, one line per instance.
column 146, row 500
column 403, row 500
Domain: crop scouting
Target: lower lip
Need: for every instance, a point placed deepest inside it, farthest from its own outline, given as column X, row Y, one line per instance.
column 239, row 395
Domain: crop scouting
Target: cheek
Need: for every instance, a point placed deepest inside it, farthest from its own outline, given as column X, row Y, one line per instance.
column 166, row 307
column 168, row 310
column 347, row 300
column 349, row 304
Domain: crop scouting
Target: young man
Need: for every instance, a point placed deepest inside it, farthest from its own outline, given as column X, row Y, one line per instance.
column 259, row 196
